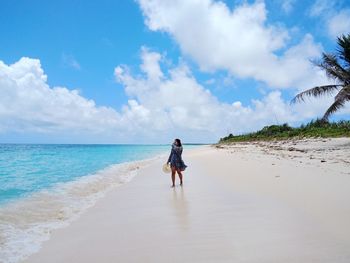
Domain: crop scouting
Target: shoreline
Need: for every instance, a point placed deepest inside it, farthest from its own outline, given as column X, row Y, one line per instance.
column 234, row 201
column 28, row 222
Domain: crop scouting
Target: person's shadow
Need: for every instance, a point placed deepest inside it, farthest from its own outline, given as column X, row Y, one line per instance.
column 180, row 208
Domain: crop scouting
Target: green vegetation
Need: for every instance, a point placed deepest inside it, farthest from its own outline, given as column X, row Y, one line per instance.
column 318, row 128
column 337, row 67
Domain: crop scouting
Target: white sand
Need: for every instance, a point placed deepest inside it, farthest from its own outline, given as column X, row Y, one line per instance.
column 244, row 203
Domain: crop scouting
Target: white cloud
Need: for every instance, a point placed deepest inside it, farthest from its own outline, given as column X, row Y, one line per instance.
column 70, row 61
column 28, row 104
column 238, row 40
column 162, row 105
column 180, row 105
column 339, row 24
column 336, row 19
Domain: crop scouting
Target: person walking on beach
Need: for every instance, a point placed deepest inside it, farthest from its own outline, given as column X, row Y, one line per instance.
column 176, row 162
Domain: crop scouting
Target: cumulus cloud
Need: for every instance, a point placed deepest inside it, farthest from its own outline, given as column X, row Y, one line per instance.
column 28, row 104
column 238, row 40
column 162, row 104
column 174, row 101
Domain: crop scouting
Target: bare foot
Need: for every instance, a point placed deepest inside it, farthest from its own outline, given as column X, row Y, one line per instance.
column 172, row 186
column 181, row 183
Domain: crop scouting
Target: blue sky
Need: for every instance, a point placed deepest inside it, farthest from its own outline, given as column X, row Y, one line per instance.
column 79, row 45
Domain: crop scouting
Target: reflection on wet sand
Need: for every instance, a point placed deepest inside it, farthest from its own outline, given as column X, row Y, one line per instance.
column 180, row 205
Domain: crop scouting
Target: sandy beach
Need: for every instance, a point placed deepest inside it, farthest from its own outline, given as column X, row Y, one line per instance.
column 245, row 202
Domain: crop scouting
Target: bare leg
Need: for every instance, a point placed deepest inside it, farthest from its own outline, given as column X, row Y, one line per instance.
column 173, row 170
column 180, row 176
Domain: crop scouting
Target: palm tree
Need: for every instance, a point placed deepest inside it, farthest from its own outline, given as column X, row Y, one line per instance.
column 337, row 67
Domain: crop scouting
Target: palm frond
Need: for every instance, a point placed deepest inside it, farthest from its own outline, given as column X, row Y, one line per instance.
column 339, row 101
column 333, row 69
column 315, row 92
column 336, row 66
column 332, row 109
column 344, row 94
column 344, row 49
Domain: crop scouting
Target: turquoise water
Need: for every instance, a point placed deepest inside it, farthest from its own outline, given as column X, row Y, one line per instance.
column 28, row 168
column 45, row 187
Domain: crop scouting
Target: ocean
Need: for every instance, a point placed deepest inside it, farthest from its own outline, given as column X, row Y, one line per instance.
column 45, row 187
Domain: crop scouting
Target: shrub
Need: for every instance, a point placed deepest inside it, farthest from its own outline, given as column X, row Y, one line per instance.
column 315, row 128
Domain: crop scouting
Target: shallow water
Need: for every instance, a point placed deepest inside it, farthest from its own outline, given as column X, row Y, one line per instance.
column 44, row 187
column 26, row 169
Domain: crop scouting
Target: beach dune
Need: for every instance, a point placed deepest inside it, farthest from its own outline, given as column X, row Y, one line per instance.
column 239, row 203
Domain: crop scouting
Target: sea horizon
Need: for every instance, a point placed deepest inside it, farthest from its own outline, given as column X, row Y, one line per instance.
column 126, row 144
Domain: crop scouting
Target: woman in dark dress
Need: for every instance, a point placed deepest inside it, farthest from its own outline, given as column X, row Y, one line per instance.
column 176, row 162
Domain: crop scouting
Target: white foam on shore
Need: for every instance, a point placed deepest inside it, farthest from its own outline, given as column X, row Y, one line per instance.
column 26, row 223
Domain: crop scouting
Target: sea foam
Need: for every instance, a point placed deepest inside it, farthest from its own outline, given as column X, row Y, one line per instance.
column 27, row 222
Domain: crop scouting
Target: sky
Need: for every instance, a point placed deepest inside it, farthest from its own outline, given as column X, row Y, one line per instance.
column 149, row 71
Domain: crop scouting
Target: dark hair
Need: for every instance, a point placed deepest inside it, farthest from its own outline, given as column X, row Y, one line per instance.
column 178, row 142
